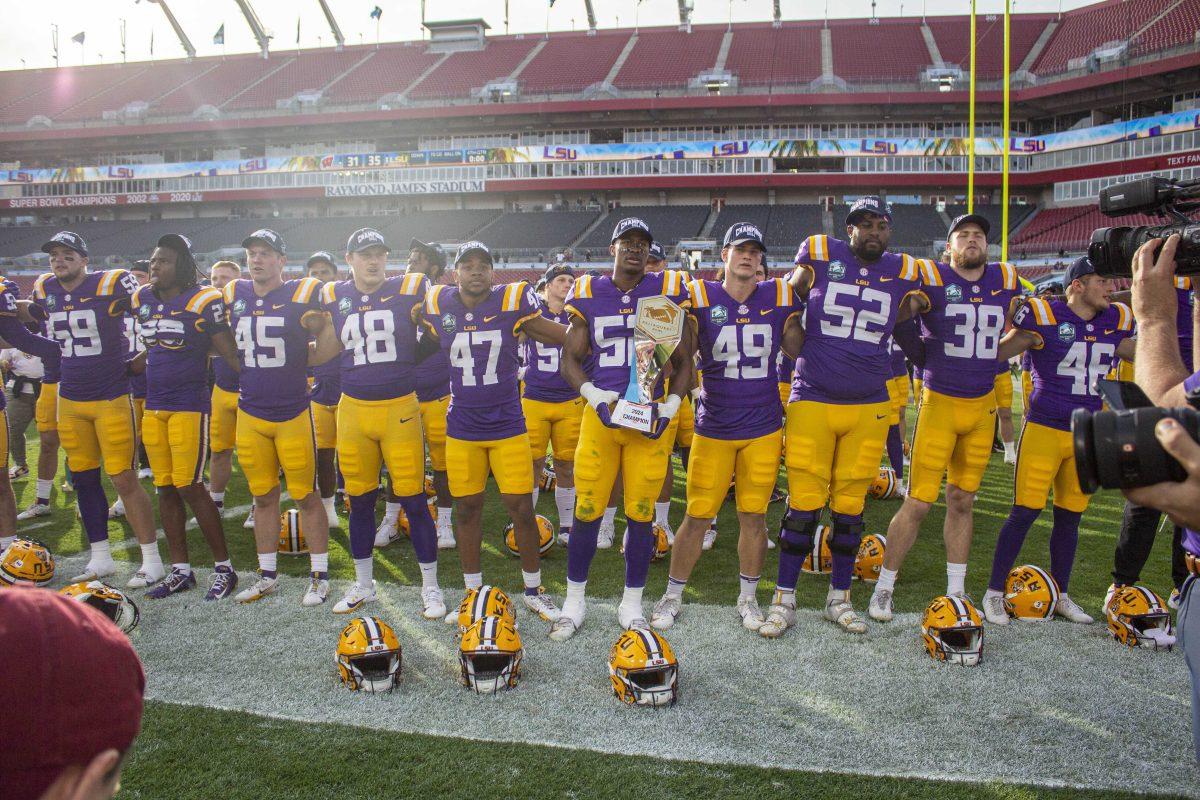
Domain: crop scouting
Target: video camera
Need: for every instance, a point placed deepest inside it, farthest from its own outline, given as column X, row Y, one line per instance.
column 1112, row 249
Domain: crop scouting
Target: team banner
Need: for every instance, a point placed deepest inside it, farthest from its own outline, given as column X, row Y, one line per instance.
column 1162, row 125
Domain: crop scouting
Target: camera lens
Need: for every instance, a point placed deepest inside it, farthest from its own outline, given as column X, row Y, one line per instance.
column 1118, row 449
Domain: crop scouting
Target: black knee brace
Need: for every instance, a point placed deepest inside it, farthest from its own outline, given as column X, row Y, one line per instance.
column 846, row 537
column 796, row 536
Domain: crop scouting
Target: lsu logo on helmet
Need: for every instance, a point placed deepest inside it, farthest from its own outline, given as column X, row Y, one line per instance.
column 291, row 536
column 643, row 669
column 545, row 537
column 869, row 560
column 549, row 481
column 1030, row 593
column 490, row 654
column 26, row 561
column 1137, row 617
column 112, row 603
column 662, row 544
column 486, row 601
column 819, row 560
column 885, row 484
column 368, row 655
column 952, row 631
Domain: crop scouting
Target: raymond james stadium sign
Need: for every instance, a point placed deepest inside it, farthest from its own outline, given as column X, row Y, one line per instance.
column 404, row 187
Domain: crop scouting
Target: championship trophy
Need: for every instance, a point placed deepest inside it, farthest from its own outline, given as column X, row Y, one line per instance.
column 656, row 334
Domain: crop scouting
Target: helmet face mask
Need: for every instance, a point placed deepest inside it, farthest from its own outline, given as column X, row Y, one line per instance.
column 368, row 656
column 655, row 686
column 953, row 631
column 962, row 645
column 1137, row 617
column 112, row 603
column 376, row 673
column 490, row 655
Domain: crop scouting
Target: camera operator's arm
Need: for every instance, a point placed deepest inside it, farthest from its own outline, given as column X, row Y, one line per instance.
column 1180, row 501
column 1158, row 366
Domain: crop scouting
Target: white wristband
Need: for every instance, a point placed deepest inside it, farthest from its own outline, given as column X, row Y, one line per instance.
column 669, row 407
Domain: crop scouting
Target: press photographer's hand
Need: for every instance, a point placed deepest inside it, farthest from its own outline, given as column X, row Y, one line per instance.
column 1154, row 281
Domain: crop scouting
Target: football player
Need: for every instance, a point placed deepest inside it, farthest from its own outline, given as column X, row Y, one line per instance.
column 45, row 415
column 140, row 270
column 326, row 390
column 86, row 312
column 179, row 322
column 838, row 413
column 477, row 324
column 274, row 421
column 222, row 423
column 378, row 418
column 741, row 325
column 970, row 304
column 433, row 394
column 597, row 358
column 552, row 407
column 1071, row 344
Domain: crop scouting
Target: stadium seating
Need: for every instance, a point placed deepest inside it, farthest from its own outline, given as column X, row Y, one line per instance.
column 215, row 87
column 304, row 73
column 758, row 215
column 390, row 70
column 464, row 71
column 669, row 57
column 536, row 230
column 64, row 88
column 791, row 224
column 892, row 50
column 952, row 35
column 669, row 223
column 571, row 62
column 1082, row 32
column 767, row 56
column 1178, row 27
column 146, row 86
column 1055, row 229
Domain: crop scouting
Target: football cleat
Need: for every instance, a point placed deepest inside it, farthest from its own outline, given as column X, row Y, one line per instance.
column 666, row 529
column 95, row 570
column 249, row 523
column 146, row 576
column 368, row 655
column 1030, row 594
column 643, row 669
column 820, row 555
column 885, row 484
column 1069, row 610
column 261, row 588
column 839, row 611
column 486, row 601
column 880, row 606
column 177, row 580
column 994, row 610
column 445, row 537
column 145, row 474
column 1137, row 617
column 631, row 617
column 317, row 592
column 113, row 603
column 665, row 612
column 224, row 581
column 490, row 655
column 780, row 616
column 355, row 598
column 869, row 560
column 750, row 614
column 291, row 535
column 608, row 532
column 542, row 605
column 35, row 510
column 117, row 509
column 387, row 532
column 27, row 561
column 433, row 605
column 545, row 537
column 1173, row 599
column 710, row 538
column 564, row 535
column 952, row 631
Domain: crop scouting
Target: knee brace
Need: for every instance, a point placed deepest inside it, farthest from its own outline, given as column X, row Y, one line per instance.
column 847, row 534
column 796, row 533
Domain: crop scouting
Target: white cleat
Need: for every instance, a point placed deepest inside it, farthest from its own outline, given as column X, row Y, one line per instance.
column 387, row 532
column 249, row 523
column 117, row 509
column 145, row 474
column 608, row 532
column 567, row 624
column 35, row 510
column 665, row 612
column 433, row 605
column 564, row 536
column 445, row 537
column 710, row 538
column 261, row 588
column 770, row 543
column 147, row 576
column 632, row 618
column 880, row 606
column 1010, row 460
column 95, row 571
column 993, row 609
column 317, row 593
column 839, row 611
column 355, row 598
column 542, row 605
column 780, row 617
column 751, row 614
column 1069, row 610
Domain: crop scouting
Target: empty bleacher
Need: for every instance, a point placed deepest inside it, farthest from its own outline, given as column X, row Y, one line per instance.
column 992, row 212
column 145, row 86
column 1177, row 28
column 571, row 62
column 464, row 71
column 668, row 223
column 308, row 72
column 888, row 52
column 953, row 35
column 1055, row 229
column 215, row 87
column 791, row 224
column 731, row 214
column 68, row 86
column 768, row 56
column 669, row 57
column 536, row 230
column 389, row 70
column 1082, row 32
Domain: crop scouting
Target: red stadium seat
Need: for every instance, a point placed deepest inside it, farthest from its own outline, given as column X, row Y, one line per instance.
column 391, row 70
column 464, row 71
column 571, row 62
column 952, row 35
column 669, row 57
column 768, row 56
column 1084, row 30
column 895, row 50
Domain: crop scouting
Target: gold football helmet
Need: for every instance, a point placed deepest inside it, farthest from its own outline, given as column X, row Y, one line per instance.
column 291, row 536
column 402, row 520
column 549, row 481
column 1030, row 593
column 885, row 484
column 486, row 601
column 662, row 545
column 490, row 654
column 545, row 537
column 113, row 603
column 869, row 560
column 643, row 669
column 952, row 631
column 368, row 655
column 430, row 489
column 819, row 560
column 26, row 561
column 1137, row 617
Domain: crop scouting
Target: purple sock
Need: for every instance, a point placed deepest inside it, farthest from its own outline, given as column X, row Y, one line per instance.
column 843, row 544
column 1063, row 539
column 895, row 450
column 582, row 548
column 1008, row 544
column 93, row 504
column 421, row 527
column 362, row 524
column 790, row 562
column 639, row 549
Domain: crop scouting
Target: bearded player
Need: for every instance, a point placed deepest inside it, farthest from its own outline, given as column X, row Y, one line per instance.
column 179, row 322
column 838, row 413
column 741, row 324
column 970, row 304
column 1071, row 344
column 478, row 324
column 86, row 313
column 274, row 421
column 596, row 361
column 378, row 419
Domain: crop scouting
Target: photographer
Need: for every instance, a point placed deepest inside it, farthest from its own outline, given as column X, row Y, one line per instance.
column 1160, row 372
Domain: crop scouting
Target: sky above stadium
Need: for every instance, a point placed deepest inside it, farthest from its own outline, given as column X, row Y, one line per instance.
column 26, row 36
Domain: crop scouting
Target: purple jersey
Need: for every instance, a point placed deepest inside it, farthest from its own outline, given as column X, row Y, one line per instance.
column 273, row 346
column 137, row 383
column 326, row 388
column 610, row 315
column 178, row 335
column 963, row 326
column 737, row 344
column 785, row 368
column 543, row 381
column 89, row 321
column 1183, row 318
column 482, row 344
column 224, row 376
column 850, row 313
column 378, row 335
column 1070, row 355
column 896, row 365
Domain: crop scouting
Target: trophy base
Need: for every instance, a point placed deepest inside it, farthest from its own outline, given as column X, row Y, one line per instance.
column 635, row 416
